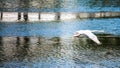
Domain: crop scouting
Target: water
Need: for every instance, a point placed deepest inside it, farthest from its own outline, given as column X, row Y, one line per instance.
column 52, row 45
column 59, row 5
column 57, row 52
column 59, row 29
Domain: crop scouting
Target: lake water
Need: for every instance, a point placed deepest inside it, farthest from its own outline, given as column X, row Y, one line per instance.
column 57, row 52
column 59, row 28
column 60, row 5
column 52, row 45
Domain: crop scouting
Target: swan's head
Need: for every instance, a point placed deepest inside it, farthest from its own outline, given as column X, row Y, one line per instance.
column 76, row 34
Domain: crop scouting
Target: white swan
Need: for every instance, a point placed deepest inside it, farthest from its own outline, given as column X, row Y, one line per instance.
column 89, row 34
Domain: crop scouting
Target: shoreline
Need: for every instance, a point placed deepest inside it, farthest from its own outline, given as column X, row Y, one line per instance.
column 53, row 16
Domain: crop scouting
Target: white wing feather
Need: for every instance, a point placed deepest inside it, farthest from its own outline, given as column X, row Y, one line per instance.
column 92, row 36
column 89, row 34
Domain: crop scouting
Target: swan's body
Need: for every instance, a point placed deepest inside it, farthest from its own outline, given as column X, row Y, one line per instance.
column 89, row 34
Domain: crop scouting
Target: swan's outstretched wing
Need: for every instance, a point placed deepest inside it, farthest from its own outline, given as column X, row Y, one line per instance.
column 89, row 34
column 92, row 37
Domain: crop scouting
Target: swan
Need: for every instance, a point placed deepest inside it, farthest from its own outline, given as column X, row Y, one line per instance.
column 89, row 34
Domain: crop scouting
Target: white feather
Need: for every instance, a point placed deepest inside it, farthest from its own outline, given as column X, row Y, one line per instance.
column 89, row 34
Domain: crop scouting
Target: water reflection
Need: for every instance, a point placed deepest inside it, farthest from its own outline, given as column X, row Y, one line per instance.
column 59, row 5
column 57, row 52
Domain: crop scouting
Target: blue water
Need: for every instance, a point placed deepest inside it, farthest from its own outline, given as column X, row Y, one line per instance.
column 61, row 5
column 41, row 44
column 57, row 52
column 66, row 28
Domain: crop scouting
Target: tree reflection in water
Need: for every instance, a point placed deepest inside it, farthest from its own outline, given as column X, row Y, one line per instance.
column 57, row 51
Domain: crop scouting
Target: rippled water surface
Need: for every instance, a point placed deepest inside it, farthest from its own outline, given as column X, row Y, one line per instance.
column 63, row 28
column 57, row 52
column 52, row 45
column 60, row 5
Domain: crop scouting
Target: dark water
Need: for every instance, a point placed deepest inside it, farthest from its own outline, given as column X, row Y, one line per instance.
column 52, row 45
column 60, row 5
column 57, row 52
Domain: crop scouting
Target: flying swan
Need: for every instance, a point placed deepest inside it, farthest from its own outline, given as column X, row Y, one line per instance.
column 89, row 34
